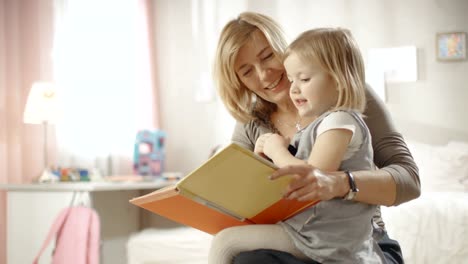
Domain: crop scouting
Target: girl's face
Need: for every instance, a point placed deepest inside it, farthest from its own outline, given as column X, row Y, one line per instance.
column 313, row 91
column 261, row 71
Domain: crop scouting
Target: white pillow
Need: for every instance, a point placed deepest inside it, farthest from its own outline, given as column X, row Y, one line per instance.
column 442, row 168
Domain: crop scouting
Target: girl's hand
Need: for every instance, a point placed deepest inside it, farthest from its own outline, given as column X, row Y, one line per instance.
column 273, row 144
column 259, row 145
column 309, row 183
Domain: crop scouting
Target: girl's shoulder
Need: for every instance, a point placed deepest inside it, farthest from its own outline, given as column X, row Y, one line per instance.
column 345, row 119
column 342, row 116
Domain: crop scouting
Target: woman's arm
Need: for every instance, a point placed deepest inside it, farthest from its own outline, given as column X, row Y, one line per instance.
column 397, row 181
column 375, row 187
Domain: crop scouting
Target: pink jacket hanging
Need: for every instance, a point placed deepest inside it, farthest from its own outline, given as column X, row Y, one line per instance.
column 76, row 231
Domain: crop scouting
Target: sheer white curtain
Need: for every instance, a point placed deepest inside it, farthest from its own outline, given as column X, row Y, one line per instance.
column 207, row 19
column 102, row 66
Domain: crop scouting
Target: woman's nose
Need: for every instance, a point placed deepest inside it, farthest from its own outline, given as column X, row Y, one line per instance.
column 264, row 72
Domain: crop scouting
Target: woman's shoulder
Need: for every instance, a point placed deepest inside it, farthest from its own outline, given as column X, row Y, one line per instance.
column 252, row 125
column 247, row 133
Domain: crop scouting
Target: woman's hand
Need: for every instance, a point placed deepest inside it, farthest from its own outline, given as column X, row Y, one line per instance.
column 309, row 183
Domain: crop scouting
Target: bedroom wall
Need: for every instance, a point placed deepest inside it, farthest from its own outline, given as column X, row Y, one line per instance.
column 194, row 119
column 423, row 110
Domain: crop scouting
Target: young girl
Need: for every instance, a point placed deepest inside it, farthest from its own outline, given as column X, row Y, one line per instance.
column 326, row 72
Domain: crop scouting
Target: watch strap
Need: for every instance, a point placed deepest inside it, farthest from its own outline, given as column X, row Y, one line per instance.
column 353, row 190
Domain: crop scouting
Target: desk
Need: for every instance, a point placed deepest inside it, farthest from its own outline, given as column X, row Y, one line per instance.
column 31, row 209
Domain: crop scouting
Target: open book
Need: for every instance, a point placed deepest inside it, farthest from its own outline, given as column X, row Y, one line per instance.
column 230, row 189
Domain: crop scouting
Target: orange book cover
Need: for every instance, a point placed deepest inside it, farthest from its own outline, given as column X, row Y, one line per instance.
column 176, row 207
column 231, row 188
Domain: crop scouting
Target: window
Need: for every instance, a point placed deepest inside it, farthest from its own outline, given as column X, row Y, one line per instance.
column 101, row 66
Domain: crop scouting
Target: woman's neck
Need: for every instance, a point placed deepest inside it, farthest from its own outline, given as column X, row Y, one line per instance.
column 287, row 108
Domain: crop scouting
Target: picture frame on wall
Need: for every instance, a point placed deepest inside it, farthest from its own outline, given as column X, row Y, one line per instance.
column 451, row 46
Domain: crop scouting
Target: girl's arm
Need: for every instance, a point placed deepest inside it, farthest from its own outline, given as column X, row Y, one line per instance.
column 275, row 147
column 397, row 181
column 326, row 155
column 329, row 149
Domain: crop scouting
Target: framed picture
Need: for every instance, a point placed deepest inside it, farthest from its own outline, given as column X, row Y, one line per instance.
column 451, row 46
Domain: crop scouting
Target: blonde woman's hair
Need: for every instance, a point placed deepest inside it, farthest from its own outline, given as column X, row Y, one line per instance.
column 338, row 53
column 241, row 102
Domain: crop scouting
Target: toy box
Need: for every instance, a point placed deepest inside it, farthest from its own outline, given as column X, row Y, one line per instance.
column 148, row 155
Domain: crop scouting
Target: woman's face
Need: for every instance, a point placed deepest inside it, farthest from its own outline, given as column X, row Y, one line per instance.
column 261, row 71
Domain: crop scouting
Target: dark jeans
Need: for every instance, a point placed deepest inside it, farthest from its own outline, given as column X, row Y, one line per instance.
column 390, row 248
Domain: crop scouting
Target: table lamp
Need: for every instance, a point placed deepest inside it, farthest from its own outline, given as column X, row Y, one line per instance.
column 42, row 108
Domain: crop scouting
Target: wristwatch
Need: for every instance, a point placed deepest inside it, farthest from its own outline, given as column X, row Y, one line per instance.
column 353, row 190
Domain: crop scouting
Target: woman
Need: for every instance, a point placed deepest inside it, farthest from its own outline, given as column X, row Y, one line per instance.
column 253, row 86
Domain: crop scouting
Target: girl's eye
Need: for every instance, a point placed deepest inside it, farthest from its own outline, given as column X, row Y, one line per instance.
column 305, row 80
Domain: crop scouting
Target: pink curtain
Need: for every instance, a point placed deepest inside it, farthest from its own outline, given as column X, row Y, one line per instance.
column 26, row 30
column 148, row 57
column 26, row 40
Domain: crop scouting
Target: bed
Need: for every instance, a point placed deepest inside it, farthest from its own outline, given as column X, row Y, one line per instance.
column 434, row 227
column 430, row 229
column 176, row 245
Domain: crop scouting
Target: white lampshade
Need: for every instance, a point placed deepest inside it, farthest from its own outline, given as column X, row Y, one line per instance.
column 42, row 105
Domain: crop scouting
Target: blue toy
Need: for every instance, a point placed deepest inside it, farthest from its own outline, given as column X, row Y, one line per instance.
column 148, row 157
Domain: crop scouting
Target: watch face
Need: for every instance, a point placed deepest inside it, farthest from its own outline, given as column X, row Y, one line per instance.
column 351, row 194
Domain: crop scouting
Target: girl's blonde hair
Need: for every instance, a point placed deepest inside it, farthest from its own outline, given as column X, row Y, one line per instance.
column 241, row 102
column 338, row 53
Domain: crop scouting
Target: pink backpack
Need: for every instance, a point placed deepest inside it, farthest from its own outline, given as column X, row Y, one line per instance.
column 76, row 232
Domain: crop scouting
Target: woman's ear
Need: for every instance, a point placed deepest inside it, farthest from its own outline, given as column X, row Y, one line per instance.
column 338, row 87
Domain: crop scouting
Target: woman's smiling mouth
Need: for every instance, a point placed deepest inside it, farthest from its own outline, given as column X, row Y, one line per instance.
column 275, row 84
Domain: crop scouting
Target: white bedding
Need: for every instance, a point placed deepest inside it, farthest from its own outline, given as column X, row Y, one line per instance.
column 432, row 228
column 181, row 245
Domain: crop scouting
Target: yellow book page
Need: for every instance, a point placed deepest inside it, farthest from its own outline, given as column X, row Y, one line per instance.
column 236, row 180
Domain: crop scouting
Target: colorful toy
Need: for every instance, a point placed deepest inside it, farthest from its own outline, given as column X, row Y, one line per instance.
column 148, row 157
